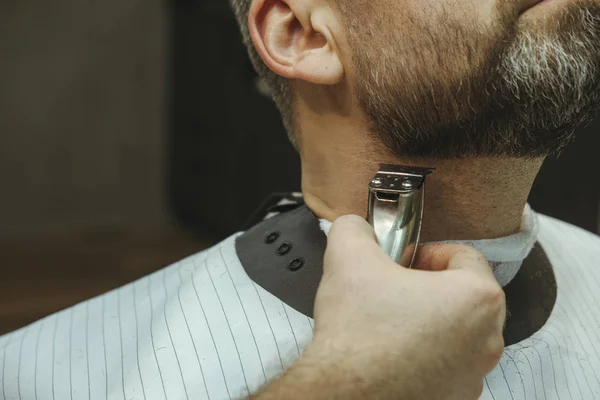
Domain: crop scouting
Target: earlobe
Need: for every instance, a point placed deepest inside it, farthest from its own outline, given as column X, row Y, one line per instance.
column 293, row 40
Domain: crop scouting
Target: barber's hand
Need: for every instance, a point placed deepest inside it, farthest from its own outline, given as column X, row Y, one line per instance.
column 386, row 332
column 402, row 333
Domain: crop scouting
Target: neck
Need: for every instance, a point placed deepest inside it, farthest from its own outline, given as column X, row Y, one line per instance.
column 465, row 199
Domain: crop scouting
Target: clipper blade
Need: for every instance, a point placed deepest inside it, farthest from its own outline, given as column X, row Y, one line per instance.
column 396, row 197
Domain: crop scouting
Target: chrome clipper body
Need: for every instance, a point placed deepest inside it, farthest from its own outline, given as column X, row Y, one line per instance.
column 396, row 196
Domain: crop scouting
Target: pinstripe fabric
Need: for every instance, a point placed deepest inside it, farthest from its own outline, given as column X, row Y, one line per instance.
column 201, row 329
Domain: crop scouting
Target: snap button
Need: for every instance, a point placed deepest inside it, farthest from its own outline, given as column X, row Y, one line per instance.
column 272, row 237
column 284, row 248
column 296, row 264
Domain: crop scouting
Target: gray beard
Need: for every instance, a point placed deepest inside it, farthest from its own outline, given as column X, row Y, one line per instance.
column 554, row 81
column 526, row 101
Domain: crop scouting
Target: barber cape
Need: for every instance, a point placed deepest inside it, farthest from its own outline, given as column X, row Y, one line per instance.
column 224, row 322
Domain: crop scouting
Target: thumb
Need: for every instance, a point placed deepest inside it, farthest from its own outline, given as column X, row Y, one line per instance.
column 442, row 257
column 352, row 243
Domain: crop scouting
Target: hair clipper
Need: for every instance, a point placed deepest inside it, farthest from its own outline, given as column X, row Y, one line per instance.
column 396, row 197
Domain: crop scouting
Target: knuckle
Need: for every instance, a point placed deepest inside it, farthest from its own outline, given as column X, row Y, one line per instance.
column 497, row 352
column 491, row 294
column 494, row 352
column 497, row 297
column 491, row 363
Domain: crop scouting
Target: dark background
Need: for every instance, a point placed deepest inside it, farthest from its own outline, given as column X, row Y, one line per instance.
column 133, row 133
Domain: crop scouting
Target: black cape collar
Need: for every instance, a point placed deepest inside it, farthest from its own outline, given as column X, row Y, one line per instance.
column 284, row 255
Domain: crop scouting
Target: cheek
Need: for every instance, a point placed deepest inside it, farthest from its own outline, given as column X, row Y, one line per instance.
column 487, row 10
column 472, row 15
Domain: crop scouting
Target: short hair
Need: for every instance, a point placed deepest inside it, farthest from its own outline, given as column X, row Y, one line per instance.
column 279, row 87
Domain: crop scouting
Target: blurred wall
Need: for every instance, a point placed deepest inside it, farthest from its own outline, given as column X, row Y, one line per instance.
column 81, row 114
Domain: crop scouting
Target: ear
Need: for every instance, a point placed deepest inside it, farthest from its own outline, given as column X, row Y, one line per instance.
column 295, row 40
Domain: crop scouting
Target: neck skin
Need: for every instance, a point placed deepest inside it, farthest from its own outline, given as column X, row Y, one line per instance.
column 465, row 199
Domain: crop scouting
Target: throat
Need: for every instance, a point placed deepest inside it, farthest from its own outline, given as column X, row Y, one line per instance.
column 469, row 199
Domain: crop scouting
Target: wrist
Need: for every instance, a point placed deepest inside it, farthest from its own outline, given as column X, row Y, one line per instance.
column 353, row 368
column 325, row 371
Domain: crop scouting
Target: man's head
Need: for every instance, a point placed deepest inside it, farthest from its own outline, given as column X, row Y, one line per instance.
column 438, row 78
